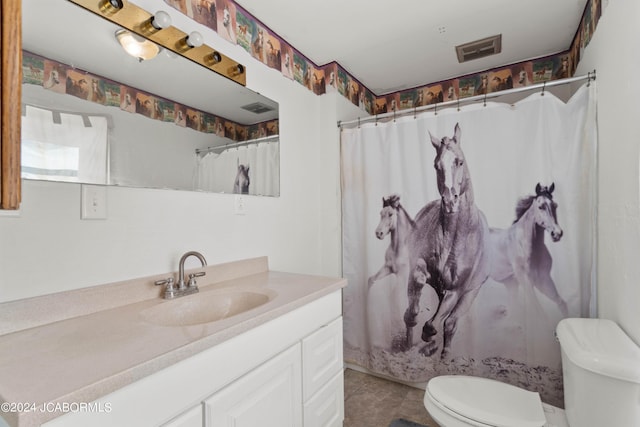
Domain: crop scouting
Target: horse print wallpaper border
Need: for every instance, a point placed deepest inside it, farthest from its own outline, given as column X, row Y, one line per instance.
column 237, row 26
column 65, row 79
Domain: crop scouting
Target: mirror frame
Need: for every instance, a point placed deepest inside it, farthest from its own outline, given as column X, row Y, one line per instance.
column 10, row 110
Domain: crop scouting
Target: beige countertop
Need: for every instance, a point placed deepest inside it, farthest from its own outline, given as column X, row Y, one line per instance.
column 84, row 357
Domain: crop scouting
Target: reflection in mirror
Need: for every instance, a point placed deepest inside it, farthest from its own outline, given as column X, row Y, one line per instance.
column 94, row 114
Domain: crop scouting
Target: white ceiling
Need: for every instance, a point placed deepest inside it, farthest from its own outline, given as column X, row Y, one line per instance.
column 393, row 45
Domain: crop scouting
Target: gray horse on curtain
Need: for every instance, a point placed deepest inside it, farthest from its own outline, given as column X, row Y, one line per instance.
column 447, row 249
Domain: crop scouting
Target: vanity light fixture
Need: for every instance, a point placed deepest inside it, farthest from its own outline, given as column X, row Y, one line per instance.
column 111, row 6
column 160, row 20
column 194, row 39
column 162, row 36
column 137, row 46
column 236, row 70
column 214, row 58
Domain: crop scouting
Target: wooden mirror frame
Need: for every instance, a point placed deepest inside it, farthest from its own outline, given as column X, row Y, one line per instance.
column 10, row 110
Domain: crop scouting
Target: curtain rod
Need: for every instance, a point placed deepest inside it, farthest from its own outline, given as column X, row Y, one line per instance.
column 590, row 76
column 237, row 144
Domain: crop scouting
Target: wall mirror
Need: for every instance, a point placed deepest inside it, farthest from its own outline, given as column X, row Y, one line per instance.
column 93, row 114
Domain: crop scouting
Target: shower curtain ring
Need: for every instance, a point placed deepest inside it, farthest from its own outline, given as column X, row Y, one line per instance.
column 458, row 104
column 358, row 122
column 394, row 116
column 415, row 109
column 589, row 79
column 485, row 99
column 544, row 86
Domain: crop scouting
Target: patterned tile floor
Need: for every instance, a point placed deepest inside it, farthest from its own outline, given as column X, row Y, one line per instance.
column 374, row 402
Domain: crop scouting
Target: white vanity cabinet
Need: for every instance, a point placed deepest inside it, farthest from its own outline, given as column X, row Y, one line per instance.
column 322, row 373
column 268, row 396
column 303, row 386
column 286, row 372
column 191, row 418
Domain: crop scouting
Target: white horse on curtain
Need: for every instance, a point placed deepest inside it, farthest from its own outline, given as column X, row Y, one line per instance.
column 397, row 222
column 519, row 258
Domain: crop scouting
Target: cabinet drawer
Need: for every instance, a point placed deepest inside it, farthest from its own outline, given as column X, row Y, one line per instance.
column 326, row 407
column 321, row 357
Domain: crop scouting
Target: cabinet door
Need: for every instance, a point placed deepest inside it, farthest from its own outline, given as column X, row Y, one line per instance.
column 326, row 407
column 268, row 396
column 321, row 357
column 190, row 418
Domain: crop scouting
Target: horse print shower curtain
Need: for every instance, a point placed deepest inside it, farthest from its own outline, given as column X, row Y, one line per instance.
column 467, row 235
column 251, row 169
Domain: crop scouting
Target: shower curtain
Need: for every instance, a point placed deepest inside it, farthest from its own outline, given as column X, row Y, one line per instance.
column 540, row 147
column 64, row 146
column 217, row 172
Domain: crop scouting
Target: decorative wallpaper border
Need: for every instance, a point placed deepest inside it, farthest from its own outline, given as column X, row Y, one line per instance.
column 65, row 79
column 236, row 25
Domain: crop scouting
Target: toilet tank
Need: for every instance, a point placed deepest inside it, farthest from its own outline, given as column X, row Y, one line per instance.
column 601, row 372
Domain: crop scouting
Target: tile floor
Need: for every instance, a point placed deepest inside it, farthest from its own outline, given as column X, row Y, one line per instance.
column 374, row 402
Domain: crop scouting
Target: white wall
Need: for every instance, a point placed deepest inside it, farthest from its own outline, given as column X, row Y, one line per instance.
column 48, row 248
column 613, row 53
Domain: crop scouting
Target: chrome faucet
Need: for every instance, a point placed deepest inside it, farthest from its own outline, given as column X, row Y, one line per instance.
column 192, row 277
column 172, row 290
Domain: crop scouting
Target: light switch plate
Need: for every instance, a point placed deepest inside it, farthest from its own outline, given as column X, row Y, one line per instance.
column 94, row 202
column 10, row 213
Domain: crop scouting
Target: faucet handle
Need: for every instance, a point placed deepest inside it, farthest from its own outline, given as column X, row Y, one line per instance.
column 192, row 278
column 169, row 290
column 168, row 281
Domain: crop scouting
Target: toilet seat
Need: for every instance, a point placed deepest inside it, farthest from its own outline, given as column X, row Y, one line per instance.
column 482, row 401
column 445, row 417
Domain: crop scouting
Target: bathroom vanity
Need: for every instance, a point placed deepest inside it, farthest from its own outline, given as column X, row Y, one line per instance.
column 275, row 361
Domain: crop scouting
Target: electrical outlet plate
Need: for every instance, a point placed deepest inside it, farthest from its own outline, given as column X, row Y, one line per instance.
column 94, row 202
column 239, row 205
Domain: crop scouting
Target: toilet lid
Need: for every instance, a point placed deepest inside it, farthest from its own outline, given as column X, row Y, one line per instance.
column 488, row 401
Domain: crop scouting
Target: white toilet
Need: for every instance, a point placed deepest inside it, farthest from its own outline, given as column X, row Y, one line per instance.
column 601, row 373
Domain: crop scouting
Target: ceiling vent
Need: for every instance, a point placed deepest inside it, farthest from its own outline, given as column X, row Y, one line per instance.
column 257, row 108
column 479, row 48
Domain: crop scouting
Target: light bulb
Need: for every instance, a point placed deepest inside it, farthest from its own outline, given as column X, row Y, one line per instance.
column 194, row 39
column 161, row 20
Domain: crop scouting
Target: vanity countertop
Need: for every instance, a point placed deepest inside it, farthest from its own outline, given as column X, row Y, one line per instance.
column 84, row 357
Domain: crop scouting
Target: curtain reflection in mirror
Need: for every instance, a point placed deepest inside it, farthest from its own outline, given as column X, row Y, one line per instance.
column 64, row 146
column 217, row 171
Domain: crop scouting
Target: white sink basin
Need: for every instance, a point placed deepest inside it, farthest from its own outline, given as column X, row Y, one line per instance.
column 205, row 307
